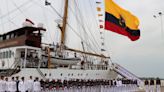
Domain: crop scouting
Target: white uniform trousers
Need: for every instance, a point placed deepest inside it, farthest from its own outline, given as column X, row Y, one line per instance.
column 151, row 88
column 158, row 88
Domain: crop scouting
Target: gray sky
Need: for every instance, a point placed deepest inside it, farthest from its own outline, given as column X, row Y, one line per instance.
column 144, row 57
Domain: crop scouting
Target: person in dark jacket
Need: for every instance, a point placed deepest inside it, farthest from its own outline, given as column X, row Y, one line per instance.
column 147, row 85
column 17, row 83
column 158, row 85
column 152, row 85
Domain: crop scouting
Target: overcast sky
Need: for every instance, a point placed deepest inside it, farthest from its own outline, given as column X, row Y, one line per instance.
column 144, row 57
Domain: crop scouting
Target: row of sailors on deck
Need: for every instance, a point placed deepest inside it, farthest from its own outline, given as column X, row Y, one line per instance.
column 30, row 85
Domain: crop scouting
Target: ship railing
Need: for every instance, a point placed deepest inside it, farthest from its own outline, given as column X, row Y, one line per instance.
column 89, row 67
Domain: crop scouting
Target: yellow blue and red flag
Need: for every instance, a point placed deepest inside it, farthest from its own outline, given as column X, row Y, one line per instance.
column 121, row 21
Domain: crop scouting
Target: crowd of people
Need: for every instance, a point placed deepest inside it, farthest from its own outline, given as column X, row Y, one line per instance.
column 16, row 84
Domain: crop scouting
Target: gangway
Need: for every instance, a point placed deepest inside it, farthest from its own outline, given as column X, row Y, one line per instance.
column 127, row 74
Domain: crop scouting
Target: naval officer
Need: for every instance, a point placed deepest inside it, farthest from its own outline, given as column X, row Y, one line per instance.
column 30, row 83
column 2, row 84
column 22, row 85
column 158, row 85
column 146, row 85
column 37, row 85
column 152, row 85
column 12, row 85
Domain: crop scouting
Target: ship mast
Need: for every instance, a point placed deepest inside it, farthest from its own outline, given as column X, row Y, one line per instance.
column 63, row 30
column 64, row 24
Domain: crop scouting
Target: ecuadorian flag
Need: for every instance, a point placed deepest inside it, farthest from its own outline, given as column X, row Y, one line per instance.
column 121, row 21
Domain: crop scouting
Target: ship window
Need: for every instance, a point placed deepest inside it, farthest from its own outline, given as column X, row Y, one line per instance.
column 10, row 54
column 12, row 35
column 68, row 74
column 61, row 74
column 7, row 54
column 1, row 38
column 4, row 54
column 0, row 55
column 7, row 37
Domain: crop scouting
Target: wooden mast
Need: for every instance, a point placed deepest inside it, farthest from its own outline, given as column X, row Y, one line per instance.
column 63, row 30
column 64, row 23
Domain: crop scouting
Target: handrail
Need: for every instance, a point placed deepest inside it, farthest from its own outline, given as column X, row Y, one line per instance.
column 128, row 73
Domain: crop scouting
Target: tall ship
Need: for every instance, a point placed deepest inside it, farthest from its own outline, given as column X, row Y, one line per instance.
column 22, row 53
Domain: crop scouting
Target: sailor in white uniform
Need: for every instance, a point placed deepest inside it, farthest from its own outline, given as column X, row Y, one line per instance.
column 2, row 84
column 22, row 85
column 6, row 85
column 36, row 86
column 30, row 83
column 12, row 85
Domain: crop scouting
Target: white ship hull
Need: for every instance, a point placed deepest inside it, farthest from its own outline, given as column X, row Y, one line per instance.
column 64, row 73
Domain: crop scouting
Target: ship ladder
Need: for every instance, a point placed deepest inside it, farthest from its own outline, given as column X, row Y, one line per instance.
column 127, row 74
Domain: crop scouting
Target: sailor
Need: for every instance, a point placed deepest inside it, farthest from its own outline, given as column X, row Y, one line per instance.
column 158, row 85
column 12, row 85
column 46, row 84
column 6, row 85
column 17, row 83
column 2, row 84
column 22, row 85
column 43, row 83
column 151, row 85
column 30, row 83
column 36, row 86
column 23, row 63
column 136, row 85
column 118, row 82
column 65, row 83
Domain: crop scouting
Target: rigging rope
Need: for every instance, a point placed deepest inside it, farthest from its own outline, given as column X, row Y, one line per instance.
column 14, row 10
column 18, row 8
column 79, row 35
column 14, row 17
column 82, row 17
